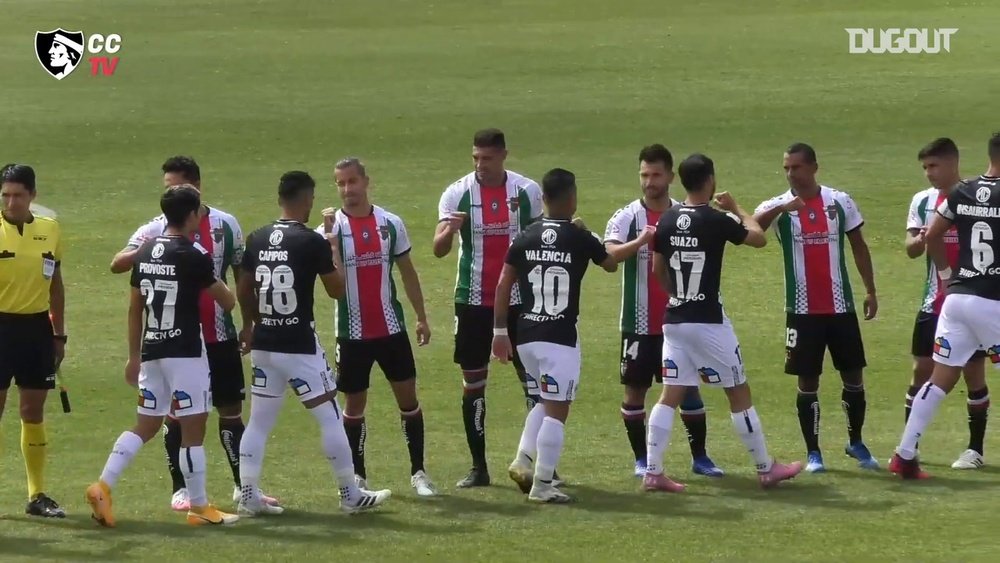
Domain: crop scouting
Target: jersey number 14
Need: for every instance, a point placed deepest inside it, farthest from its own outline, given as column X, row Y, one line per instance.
column 276, row 290
column 550, row 288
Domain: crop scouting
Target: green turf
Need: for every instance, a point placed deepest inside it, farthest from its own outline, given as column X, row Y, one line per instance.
column 253, row 89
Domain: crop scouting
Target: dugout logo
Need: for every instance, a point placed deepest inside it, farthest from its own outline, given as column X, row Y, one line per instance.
column 895, row 40
column 60, row 52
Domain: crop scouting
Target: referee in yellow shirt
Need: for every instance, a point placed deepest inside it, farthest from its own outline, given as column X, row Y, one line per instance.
column 32, row 339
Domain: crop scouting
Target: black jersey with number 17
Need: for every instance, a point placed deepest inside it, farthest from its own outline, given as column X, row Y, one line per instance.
column 974, row 207
column 171, row 272
column 692, row 240
column 284, row 259
column 551, row 256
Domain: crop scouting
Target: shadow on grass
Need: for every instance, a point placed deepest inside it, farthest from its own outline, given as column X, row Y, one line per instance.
column 461, row 503
column 800, row 491
column 633, row 501
column 43, row 548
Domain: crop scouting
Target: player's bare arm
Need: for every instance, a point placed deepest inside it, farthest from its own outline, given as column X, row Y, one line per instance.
column 411, row 284
column 610, row 264
column 916, row 241
column 222, row 295
column 502, row 349
column 122, row 262
column 623, row 251
column 57, row 313
column 863, row 260
column 249, row 310
column 444, row 235
column 936, row 246
column 136, row 306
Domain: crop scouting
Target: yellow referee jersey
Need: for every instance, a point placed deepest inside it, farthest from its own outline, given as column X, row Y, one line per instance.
column 28, row 261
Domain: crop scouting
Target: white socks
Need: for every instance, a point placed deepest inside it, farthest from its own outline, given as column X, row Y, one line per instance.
column 122, row 452
column 193, row 467
column 550, row 443
column 925, row 405
column 747, row 425
column 527, row 449
column 337, row 449
column 263, row 415
column 661, row 423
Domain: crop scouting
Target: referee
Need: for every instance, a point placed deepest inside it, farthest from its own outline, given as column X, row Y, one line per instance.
column 32, row 339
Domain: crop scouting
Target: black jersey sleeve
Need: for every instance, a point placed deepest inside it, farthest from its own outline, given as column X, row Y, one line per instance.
column 515, row 253
column 595, row 248
column 661, row 238
column 732, row 227
column 949, row 205
column 201, row 268
column 323, row 255
column 134, row 277
column 249, row 262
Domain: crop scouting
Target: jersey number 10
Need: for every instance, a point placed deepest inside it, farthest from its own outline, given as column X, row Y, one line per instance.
column 276, row 290
column 550, row 287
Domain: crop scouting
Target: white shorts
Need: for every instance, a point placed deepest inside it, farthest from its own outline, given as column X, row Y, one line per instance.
column 700, row 353
column 308, row 375
column 967, row 323
column 553, row 370
column 181, row 385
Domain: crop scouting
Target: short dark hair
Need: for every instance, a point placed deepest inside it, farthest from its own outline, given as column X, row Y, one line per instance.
column 805, row 150
column 489, row 138
column 657, row 153
column 942, row 147
column 185, row 166
column 293, row 184
column 178, row 202
column 19, row 174
column 695, row 171
column 557, row 184
column 994, row 147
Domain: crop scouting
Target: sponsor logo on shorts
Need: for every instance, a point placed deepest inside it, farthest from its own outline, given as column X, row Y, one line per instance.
column 182, row 401
column 942, row 347
column 531, row 384
column 299, row 386
column 994, row 353
column 709, row 375
column 549, row 385
column 670, row 369
column 146, row 399
column 259, row 378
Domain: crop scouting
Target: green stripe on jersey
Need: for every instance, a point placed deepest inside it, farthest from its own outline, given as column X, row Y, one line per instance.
column 227, row 262
column 788, row 254
column 845, row 277
column 396, row 306
column 465, row 252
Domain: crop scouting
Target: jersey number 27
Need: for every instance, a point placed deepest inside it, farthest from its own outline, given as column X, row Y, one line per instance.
column 277, row 290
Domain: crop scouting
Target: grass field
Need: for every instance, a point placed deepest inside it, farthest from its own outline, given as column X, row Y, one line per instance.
column 255, row 88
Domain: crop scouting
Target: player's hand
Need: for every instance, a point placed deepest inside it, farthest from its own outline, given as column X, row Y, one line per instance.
column 871, row 306
column 921, row 237
column 246, row 340
column 58, row 352
column 423, row 333
column 579, row 223
column 132, row 371
column 456, row 220
column 502, row 349
column 329, row 214
column 725, row 201
column 646, row 234
column 794, row 204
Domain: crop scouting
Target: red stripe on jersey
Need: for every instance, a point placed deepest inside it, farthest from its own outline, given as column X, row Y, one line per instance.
column 496, row 237
column 367, row 245
column 206, row 305
column 816, row 254
column 951, row 252
column 656, row 297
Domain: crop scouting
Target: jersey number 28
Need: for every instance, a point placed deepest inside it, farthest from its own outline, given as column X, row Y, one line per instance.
column 550, row 287
column 277, row 290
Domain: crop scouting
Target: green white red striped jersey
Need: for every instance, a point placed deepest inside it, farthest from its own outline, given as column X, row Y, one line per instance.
column 812, row 244
column 220, row 235
column 923, row 208
column 496, row 215
column 643, row 299
column 369, row 247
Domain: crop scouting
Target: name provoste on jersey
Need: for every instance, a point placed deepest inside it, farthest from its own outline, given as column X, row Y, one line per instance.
column 157, row 269
column 977, row 210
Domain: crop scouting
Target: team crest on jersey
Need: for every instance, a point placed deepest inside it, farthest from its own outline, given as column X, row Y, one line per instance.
column 383, row 231
column 942, row 347
column 831, row 212
column 157, row 250
column 812, row 216
column 513, row 204
column 709, row 375
column 217, row 235
column 365, row 234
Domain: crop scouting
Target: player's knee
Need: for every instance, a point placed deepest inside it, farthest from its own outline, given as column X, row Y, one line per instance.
column 852, row 378
column 231, row 410
column 808, row 384
column 32, row 412
column 474, row 379
column 692, row 400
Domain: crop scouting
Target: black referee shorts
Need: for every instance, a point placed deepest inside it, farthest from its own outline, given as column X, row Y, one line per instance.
column 27, row 351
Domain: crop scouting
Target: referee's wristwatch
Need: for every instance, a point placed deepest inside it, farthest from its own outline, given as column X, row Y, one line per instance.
column 60, row 337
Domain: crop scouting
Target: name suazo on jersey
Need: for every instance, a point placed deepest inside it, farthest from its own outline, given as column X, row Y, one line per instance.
column 643, row 302
column 812, row 243
column 922, row 211
column 220, row 235
column 496, row 215
column 369, row 248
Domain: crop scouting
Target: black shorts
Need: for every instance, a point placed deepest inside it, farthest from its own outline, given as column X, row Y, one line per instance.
column 808, row 336
column 225, row 366
column 922, row 344
column 355, row 359
column 641, row 359
column 27, row 352
column 474, row 336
